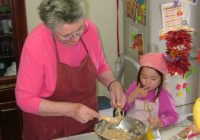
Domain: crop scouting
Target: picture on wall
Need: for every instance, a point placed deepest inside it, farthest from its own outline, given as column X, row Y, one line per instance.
column 137, row 43
column 136, row 11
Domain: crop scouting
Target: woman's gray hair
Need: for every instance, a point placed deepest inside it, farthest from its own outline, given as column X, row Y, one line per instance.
column 52, row 12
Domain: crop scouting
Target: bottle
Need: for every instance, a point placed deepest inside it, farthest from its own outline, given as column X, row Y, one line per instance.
column 153, row 134
column 150, row 134
column 157, row 134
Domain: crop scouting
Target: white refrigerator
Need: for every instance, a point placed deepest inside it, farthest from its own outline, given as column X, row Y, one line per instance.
column 151, row 40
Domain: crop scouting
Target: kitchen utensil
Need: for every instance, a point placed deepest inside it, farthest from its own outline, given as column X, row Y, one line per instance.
column 118, row 112
column 112, row 120
column 152, row 133
column 148, row 107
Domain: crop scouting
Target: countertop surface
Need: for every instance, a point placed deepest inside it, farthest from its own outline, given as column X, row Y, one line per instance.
column 166, row 133
column 87, row 136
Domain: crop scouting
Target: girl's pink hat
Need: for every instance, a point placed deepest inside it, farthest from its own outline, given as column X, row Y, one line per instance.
column 154, row 60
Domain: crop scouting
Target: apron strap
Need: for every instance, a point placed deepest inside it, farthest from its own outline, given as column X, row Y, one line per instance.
column 84, row 45
column 55, row 46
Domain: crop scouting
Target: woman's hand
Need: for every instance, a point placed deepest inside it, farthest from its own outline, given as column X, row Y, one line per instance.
column 118, row 98
column 82, row 113
column 155, row 122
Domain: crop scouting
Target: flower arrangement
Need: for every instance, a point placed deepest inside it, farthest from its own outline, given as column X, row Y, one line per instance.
column 178, row 44
column 198, row 57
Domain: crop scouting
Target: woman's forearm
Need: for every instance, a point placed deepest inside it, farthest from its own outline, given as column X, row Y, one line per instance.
column 52, row 108
column 106, row 77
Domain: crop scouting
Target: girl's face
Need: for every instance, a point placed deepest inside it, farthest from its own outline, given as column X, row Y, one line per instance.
column 150, row 78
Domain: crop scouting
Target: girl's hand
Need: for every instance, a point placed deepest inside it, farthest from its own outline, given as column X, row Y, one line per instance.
column 155, row 122
column 141, row 91
column 138, row 92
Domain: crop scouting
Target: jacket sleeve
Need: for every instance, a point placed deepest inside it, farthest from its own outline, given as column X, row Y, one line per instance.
column 167, row 110
column 29, row 78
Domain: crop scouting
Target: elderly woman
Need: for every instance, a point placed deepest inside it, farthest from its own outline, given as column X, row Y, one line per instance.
column 56, row 85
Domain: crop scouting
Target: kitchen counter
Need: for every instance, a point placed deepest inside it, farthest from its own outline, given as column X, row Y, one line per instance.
column 86, row 136
column 166, row 133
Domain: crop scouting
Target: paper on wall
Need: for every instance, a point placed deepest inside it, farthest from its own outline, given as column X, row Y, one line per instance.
column 171, row 16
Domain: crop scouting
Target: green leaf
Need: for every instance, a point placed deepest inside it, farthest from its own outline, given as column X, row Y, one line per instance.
column 193, row 70
column 133, row 36
column 187, row 75
column 188, row 90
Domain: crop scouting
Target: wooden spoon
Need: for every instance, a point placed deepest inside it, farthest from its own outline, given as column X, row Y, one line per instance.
column 114, row 120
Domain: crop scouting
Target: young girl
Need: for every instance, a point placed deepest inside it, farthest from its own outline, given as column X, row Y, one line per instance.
column 147, row 99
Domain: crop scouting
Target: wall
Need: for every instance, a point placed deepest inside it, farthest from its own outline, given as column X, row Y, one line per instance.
column 103, row 13
column 32, row 13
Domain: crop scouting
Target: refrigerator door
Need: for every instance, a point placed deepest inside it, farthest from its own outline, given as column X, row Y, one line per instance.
column 185, row 101
column 184, row 98
column 153, row 43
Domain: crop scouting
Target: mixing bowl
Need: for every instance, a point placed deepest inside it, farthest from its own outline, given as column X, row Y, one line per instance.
column 127, row 129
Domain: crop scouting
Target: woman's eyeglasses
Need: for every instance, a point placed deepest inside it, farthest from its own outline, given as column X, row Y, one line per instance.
column 76, row 34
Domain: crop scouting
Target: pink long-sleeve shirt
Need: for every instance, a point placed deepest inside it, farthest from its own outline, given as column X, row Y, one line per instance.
column 166, row 111
column 37, row 70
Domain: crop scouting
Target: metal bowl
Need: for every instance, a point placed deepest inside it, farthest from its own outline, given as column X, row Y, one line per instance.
column 133, row 127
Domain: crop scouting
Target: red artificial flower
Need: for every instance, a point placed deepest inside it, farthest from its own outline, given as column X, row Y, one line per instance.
column 178, row 87
column 134, row 45
column 180, row 37
column 198, row 56
column 178, row 49
column 185, row 85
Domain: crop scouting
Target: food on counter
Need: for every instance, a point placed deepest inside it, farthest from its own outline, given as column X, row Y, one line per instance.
column 196, row 113
column 116, row 134
column 189, row 132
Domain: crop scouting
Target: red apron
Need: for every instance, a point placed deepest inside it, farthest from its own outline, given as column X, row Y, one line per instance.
column 74, row 84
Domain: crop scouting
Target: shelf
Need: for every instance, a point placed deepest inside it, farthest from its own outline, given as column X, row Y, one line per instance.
column 11, row 43
column 7, row 105
column 7, row 57
column 5, row 15
column 3, row 87
column 6, row 35
column 7, row 95
column 4, row 80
